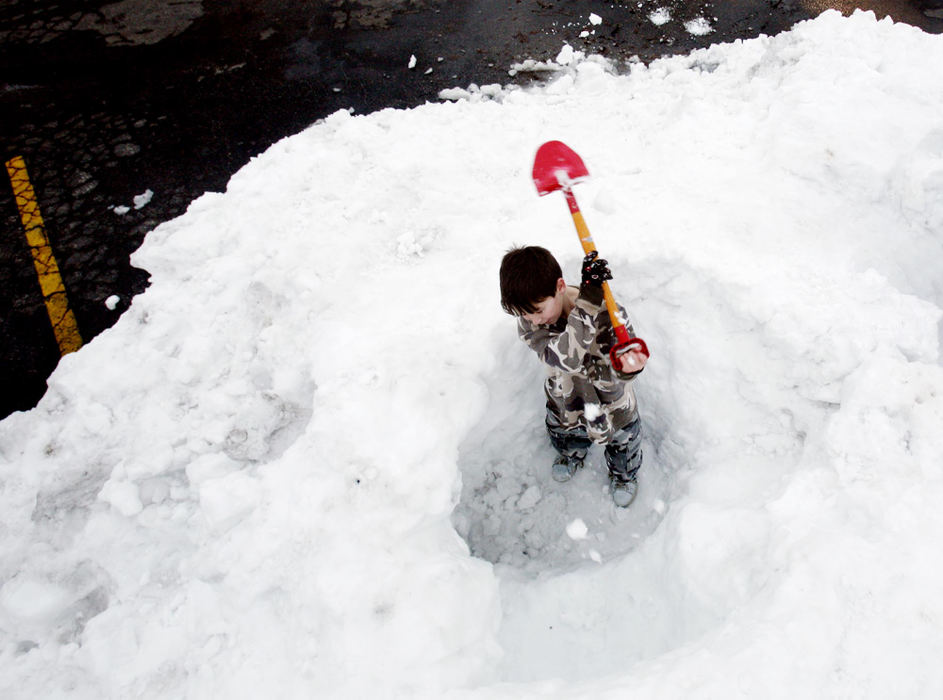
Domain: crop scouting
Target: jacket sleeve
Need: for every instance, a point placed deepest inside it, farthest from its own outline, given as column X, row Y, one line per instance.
column 567, row 350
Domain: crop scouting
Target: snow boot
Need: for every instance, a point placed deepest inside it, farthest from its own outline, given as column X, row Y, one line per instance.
column 565, row 467
column 624, row 458
column 623, row 492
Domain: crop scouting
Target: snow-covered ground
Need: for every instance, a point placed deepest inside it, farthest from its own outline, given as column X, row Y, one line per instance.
column 309, row 460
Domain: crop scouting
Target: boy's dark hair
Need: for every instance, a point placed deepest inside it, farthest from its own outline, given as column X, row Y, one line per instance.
column 528, row 275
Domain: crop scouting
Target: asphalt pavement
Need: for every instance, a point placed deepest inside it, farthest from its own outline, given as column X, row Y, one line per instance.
column 125, row 112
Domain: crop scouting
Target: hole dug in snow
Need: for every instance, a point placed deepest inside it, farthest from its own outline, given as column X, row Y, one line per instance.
column 511, row 511
column 570, row 595
column 583, row 582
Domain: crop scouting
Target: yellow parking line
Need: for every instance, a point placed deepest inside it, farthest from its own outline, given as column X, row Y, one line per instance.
column 50, row 281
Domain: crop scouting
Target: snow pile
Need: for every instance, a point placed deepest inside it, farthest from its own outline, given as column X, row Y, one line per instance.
column 699, row 26
column 660, row 16
column 254, row 484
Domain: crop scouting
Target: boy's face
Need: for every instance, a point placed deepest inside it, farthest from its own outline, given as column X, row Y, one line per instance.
column 549, row 309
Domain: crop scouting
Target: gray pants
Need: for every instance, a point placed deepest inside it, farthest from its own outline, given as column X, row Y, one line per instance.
column 623, row 451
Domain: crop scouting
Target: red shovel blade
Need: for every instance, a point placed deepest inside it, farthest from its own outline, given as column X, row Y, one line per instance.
column 556, row 165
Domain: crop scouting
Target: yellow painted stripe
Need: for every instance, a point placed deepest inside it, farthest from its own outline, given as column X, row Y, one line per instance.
column 50, row 281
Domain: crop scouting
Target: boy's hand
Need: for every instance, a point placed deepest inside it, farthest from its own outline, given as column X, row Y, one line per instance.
column 595, row 271
column 632, row 361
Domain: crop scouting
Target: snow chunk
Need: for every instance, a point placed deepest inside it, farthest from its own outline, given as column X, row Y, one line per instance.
column 142, row 200
column 698, row 26
column 408, row 247
column 532, row 66
column 123, row 496
column 530, row 498
column 412, row 62
column 210, row 466
column 454, row 94
column 474, row 93
column 28, row 598
column 577, row 529
column 111, row 303
column 660, row 16
column 595, row 19
column 566, row 55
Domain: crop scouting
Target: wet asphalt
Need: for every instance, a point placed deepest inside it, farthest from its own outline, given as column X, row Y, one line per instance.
column 107, row 102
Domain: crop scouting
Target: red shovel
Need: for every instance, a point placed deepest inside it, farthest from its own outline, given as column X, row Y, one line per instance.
column 558, row 167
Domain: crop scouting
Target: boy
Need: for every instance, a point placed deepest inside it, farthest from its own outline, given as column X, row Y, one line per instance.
column 588, row 400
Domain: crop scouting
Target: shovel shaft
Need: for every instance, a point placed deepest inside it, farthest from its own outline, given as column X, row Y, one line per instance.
column 588, row 247
column 558, row 167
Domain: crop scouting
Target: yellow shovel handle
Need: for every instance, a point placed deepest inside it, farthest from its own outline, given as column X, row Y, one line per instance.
column 588, row 247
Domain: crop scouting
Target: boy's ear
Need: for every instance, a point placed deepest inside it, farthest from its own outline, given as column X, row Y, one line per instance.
column 561, row 285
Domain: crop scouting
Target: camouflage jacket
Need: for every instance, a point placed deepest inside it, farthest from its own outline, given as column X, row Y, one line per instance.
column 582, row 387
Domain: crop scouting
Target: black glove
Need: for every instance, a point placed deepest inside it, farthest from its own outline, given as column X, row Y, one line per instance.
column 595, row 271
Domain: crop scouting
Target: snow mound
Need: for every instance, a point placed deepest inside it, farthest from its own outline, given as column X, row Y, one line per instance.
column 254, row 484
